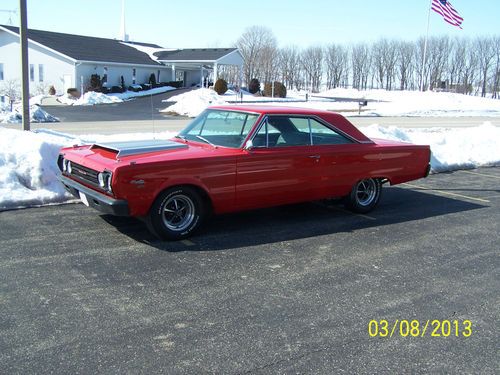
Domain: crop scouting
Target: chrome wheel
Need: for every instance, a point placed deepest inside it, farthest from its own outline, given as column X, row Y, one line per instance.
column 365, row 195
column 178, row 212
column 366, row 191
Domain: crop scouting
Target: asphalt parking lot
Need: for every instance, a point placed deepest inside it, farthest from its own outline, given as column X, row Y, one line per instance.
column 283, row 290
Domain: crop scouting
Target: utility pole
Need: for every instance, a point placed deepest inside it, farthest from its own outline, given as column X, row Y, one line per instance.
column 23, row 35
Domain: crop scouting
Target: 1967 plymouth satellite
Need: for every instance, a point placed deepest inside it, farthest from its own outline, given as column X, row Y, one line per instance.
column 233, row 158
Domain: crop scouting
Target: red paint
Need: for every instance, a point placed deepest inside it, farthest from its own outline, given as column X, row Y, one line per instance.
column 237, row 179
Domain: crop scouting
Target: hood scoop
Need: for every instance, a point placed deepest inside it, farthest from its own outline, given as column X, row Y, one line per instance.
column 127, row 148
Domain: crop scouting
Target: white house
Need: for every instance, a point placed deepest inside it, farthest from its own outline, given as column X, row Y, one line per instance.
column 67, row 61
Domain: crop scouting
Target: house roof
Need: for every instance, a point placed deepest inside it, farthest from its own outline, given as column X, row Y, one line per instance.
column 194, row 54
column 87, row 48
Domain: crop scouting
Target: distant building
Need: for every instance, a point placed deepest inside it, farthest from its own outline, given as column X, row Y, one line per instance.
column 67, row 61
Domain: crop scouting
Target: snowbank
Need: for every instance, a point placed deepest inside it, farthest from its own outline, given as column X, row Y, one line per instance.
column 380, row 102
column 194, row 102
column 452, row 149
column 28, row 169
column 416, row 103
column 90, row 98
column 37, row 114
column 93, row 98
column 131, row 94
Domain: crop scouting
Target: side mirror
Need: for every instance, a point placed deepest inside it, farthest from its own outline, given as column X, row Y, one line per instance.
column 248, row 145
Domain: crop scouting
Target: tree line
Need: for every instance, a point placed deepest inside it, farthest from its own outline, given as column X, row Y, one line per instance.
column 462, row 65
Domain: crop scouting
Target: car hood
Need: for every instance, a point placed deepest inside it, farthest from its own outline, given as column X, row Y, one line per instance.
column 110, row 155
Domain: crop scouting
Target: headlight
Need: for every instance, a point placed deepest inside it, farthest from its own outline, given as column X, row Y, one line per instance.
column 101, row 177
column 104, row 179
column 68, row 167
column 108, row 185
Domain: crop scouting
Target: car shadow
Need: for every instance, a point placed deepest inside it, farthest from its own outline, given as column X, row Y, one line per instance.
column 299, row 221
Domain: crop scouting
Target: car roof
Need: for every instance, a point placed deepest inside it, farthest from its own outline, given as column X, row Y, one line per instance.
column 269, row 109
column 336, row 119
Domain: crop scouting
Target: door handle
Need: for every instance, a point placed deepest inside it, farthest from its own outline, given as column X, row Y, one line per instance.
column 315, row 156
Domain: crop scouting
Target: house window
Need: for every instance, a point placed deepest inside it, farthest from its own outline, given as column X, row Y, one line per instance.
column 1, row 72
column 32, row 72
column 133, row 76
column 40, row 73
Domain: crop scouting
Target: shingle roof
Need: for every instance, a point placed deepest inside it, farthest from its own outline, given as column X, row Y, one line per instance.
column 194, row 54
column 87, row 48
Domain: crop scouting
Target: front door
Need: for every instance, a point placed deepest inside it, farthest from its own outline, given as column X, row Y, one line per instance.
column 279, row 169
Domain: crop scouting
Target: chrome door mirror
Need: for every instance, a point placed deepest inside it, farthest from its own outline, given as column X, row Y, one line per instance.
column 248, row 145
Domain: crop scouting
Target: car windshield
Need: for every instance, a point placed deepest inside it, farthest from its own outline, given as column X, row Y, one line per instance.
column 220, row 128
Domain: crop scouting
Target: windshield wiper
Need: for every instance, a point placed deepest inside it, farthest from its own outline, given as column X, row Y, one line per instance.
column 205, row 140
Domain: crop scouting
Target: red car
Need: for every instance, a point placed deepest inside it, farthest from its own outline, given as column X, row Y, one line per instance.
column 233, row 158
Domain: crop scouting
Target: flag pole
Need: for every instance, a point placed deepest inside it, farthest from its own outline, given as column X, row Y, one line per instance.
column 425, row 47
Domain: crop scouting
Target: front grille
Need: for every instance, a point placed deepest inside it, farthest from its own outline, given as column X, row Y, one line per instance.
column 84, row 173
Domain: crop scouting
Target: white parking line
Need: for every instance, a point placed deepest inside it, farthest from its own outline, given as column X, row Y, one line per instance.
column 353, row 213
column 447, row 193
column 482, row 174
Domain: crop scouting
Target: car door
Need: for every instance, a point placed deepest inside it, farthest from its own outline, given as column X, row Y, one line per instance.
column 278, row 169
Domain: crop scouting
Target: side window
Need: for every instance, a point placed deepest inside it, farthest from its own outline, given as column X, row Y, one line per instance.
column 280, row 131
column 267, row 136
column 323, row 135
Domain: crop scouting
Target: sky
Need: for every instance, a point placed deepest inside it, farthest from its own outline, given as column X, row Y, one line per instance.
column 219, row 23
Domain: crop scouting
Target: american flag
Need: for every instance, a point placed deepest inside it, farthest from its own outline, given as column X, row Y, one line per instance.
column 446, row 10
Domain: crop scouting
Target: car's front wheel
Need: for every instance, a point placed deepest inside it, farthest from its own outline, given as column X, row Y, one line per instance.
column 365, row 195
column 176, row 213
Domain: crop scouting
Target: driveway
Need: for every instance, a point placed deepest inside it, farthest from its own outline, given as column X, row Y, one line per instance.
column 141, row 108
column 285, row 290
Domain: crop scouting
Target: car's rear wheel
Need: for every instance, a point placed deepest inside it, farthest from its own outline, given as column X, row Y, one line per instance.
column 176, row 213
column 365, row 195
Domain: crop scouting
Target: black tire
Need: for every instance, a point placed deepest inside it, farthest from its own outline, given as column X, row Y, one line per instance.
column 365, row 195
column 176, row 213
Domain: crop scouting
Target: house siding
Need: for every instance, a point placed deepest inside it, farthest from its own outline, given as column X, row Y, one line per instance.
column 115, row 71
column 54, row 66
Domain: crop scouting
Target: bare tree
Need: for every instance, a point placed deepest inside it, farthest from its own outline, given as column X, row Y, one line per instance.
column 405, row 63
column 289, row 66
column 496, row 73
column 438, row 52
column 11, row 89
column 312, row 63
column 485, row 55
column 336, row 61
column 257, row 46
column 456, row 63
column 469, row 69
column 360, row 65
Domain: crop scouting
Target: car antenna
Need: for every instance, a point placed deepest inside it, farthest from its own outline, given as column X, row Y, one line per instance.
column 152, row 117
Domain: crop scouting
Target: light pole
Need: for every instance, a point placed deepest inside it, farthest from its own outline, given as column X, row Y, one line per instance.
column 23, row 35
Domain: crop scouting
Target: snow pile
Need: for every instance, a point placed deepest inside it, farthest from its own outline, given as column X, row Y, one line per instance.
column 28, row 164
column 452, row 149
column 93, row 98
column 37, row 114
column 345, row 101
column 194, row 102
column 416, row 103
column 28, row 168
column 131, row 94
